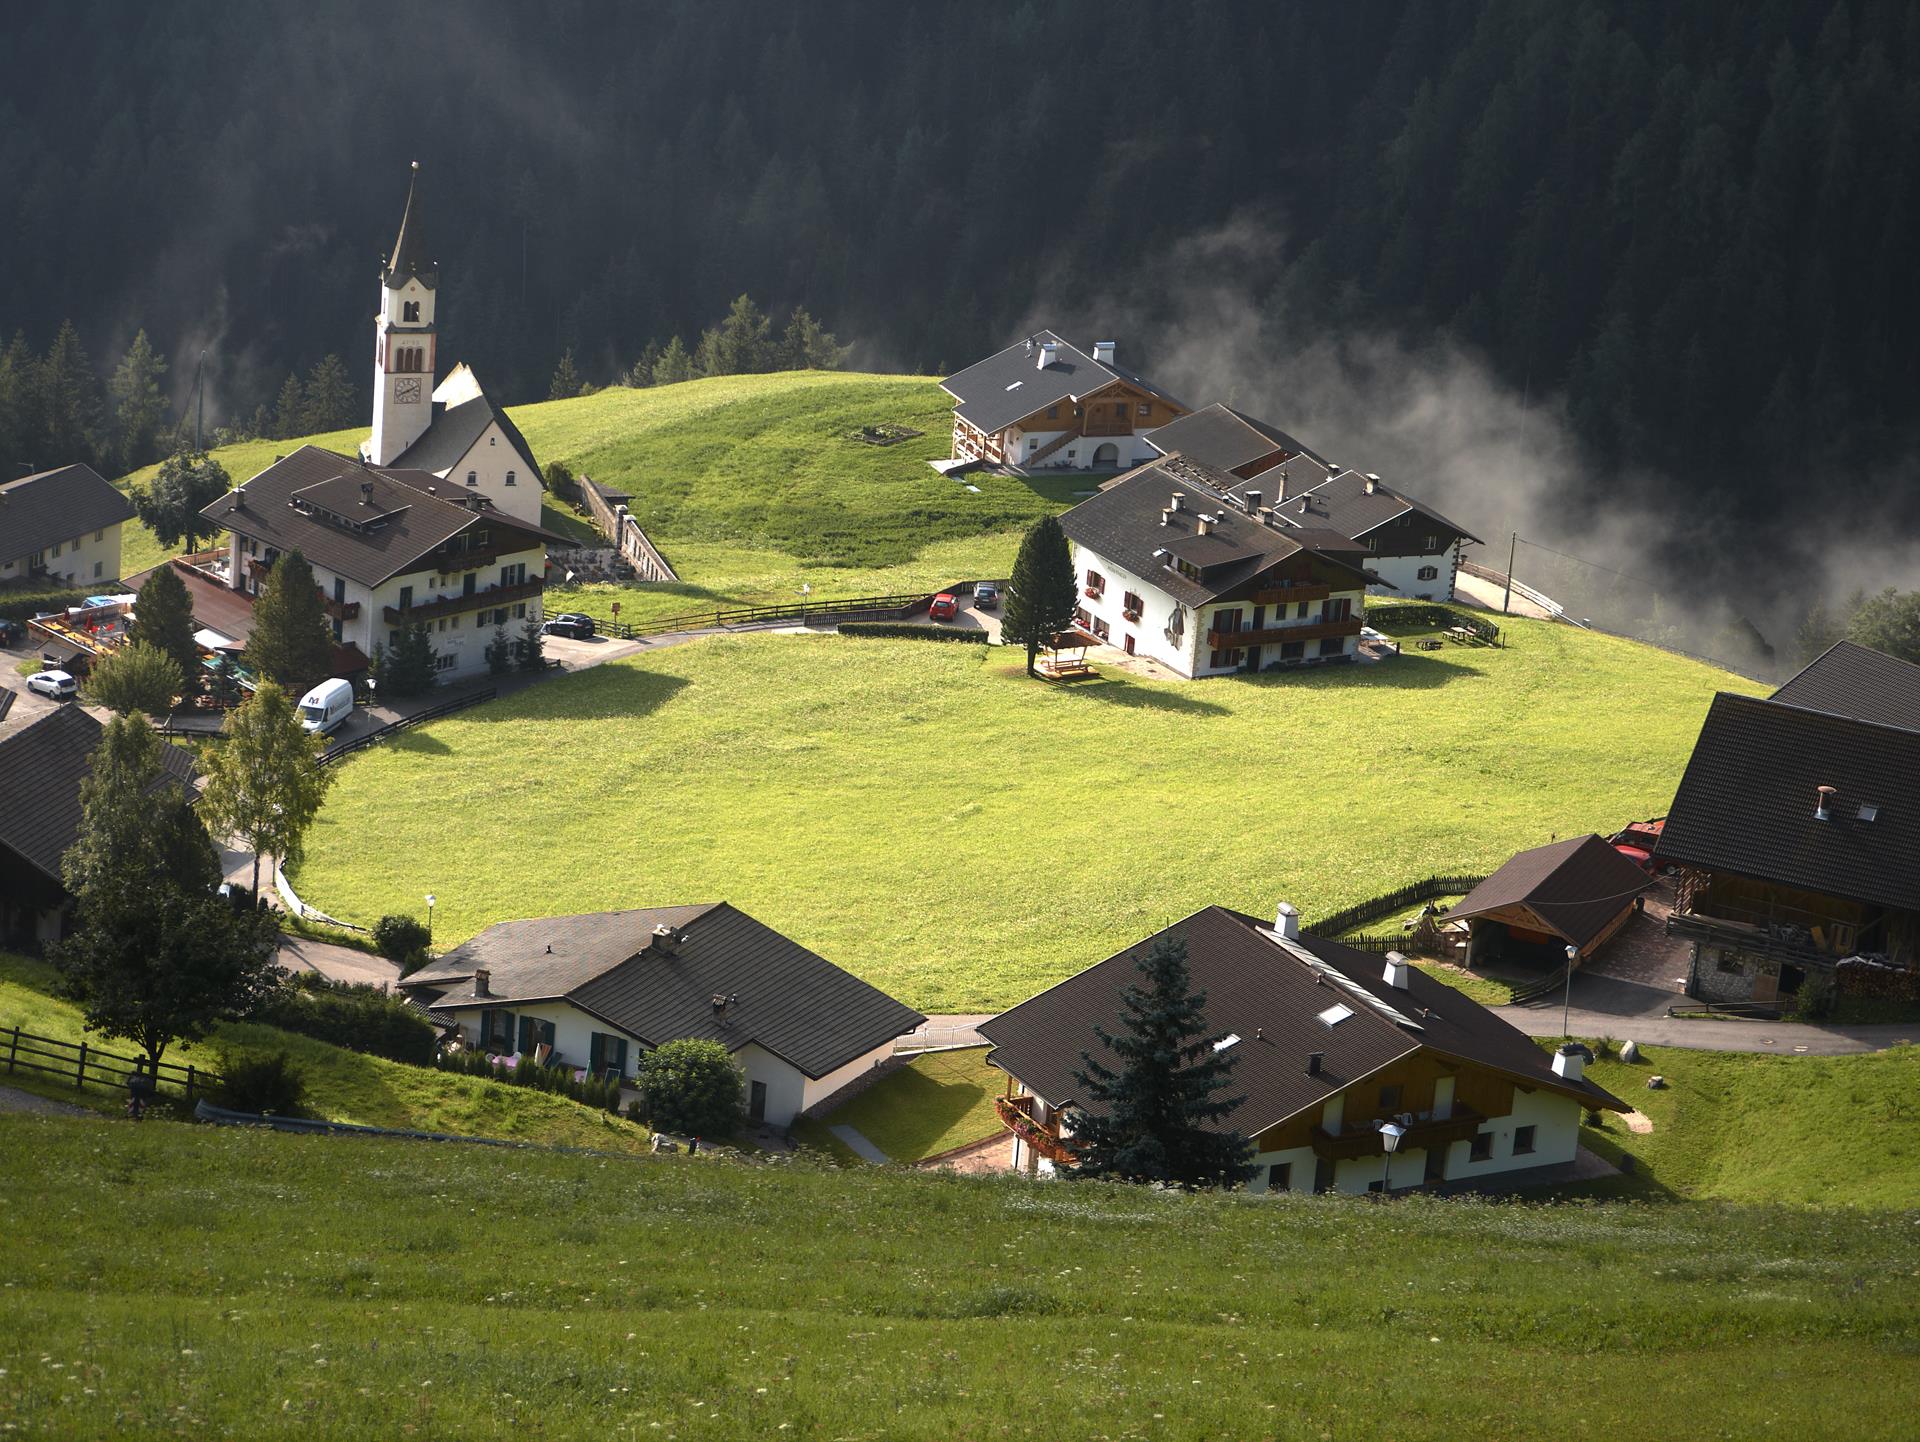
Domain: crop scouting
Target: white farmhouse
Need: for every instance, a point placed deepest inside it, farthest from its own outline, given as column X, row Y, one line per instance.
column 453, row 431
column 601, row 989
column 389, row 549
column 1328, row 1043
column 1045, row 404
column 61, row 526
column 1186, row 564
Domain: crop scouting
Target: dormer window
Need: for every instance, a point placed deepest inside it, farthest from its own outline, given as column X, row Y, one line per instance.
column 410, row 311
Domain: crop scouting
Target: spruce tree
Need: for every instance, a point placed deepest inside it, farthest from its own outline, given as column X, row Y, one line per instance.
column 139, row 408
column 806, row 346
column 171, row 502
column 1041, row 594
column 70, row 407
column 406, row 669
column 1156, row 1118
column 292, row 642
column 740, row 344
column 290, row 410
column 674, row 365
column 163, row 618
column 566, row 381
column 330, row 402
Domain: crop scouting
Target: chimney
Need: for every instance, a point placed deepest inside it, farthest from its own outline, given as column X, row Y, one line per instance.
column 482, row 981
column 1103, row 352
column 1166, row 516
column 1254, row 498
column 1049, row 352
column 1373, row 483
column 366, row 493
column 1286, row 921
column 664, row 940
column 1203, row 526
column 1396, row 973
column 1314, row 1059
column 1029, row 345
column 1820, row 812
column 1570, row 1062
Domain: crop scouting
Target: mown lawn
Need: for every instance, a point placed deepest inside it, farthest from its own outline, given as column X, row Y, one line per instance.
column 205, row 1282
column 934, row 1103
column 752, row 487
column 1828, row 1131
column 962, row 836
column 342, row 1085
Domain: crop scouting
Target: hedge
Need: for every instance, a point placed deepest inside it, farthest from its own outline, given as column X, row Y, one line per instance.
column 26, row 602
column 521, row 1071
column 907, row 631
column 359, row 1018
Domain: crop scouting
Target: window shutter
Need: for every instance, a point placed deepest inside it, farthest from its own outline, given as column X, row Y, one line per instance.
column 486, row 1028
column 526, row 1034
column 620, row 1058
column 594, row 1050
column 547, row 1032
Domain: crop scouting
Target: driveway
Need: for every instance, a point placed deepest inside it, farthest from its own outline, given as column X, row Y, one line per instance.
column 337, row 963
column 1787, row 1038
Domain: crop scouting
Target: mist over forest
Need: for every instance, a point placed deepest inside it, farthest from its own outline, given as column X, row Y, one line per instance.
column 1632, row 279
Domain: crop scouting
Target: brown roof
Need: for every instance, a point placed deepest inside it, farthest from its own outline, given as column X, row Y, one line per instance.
column 358, row 521
column 1577, row 886
column 1271, row 994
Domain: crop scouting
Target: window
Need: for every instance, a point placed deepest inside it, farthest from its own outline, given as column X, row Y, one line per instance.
column 1292, row 650
column 338, row 633
column 1131, row 606
column 1522, row 1141
column 406, row 598
column 1433, row 544
column 1482, row 1150
column 1220, row 657
column 1071, row 453
column 1280, row 1177
column 473, row 478
column 496, row 1031
column 493, row 440
column 1300, row 611
column 443, row 623
column 1096, row 584
column 1429, row 573
column 1340, row 608
column 409, row 311
column 96, row 570
column 100, row 535
column 1335, row 1014
column 1146, row 408
column 606, row 1054
column 1120, row 410
column 1053, row 413
column 480, row 538
column 534, row 1032
column 509, row 477
column 1390, row 1099
column 520, row 610
column 443, row 663
column 1333, row 646
column 393, row 639
column 56, row 547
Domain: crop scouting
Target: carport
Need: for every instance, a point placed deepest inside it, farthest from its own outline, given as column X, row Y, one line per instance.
column 1574, row 893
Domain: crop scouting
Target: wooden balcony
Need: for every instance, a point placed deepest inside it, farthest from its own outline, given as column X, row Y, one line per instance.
column 1362, row 1138
column 339, row 610
column 1107, row 426
column 1016, row 1115
column 458, row 605
column 1297, row 631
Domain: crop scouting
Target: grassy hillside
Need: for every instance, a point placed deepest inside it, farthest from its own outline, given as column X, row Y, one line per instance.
column 211, row 1282
column 931, row 819
column 753, row 488
column 342, row 1086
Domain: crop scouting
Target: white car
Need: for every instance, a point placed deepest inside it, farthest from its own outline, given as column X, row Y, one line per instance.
column 60, row 685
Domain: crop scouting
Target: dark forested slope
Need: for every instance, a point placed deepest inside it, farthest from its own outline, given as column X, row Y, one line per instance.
column 1693, row 219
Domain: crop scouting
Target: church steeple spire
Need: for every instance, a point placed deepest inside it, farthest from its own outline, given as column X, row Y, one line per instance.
column 409, row 257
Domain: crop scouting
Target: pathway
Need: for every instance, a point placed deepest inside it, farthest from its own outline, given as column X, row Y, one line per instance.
column 1787, row 1038
column 1487, row 595
column 12, row 1099
column 865, row 1149
column 337, row 963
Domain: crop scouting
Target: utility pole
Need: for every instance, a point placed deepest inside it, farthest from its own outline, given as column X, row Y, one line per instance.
column 199, row 402
column 1506, row 600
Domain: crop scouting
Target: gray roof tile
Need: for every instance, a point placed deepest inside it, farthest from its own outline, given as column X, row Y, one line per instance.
column 1852, row 680
column 996, row 392
column 56, row 506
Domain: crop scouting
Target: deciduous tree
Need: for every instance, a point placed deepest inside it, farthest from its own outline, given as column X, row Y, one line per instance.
column 693, row 1087
column 172, row 501
column 1041, row 593
column 136, row 679
column 1156, row 1117
column 156, row 956
column 262, row 781
column 292, row 642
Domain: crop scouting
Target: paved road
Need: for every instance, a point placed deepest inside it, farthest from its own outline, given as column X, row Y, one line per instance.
column 1785, row 1037
column 336, row 963
column 12, row 1099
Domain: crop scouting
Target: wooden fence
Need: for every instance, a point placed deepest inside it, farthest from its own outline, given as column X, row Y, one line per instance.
column 83, row 1063
column 1379, row 908
column 857, row 608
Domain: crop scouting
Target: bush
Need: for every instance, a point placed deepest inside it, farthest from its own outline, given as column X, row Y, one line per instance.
column 907, row 631
column 359, row 1018
column 23, row 603
column 267, row 1082
column 560, row 482
column 693, row 1087
column 401, row 939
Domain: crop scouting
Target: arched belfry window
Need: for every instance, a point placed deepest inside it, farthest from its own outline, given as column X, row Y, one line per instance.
column 410, row 311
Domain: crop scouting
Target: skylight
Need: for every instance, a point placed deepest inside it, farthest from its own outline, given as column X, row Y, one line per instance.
column 1869, row 811
column 1333, row 976
column 1226, row 1041
column 1016, row 385
column 1335, row 1014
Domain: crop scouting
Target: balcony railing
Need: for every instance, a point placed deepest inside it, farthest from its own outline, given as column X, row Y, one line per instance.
column 1297, row 631
column 1362, row 1138
column 339, row 610
column 458, row 605
column 1016, row 1115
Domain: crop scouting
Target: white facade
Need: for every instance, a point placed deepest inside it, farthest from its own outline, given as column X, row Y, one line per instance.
column 79, row 561
column 1082, row 452
column 788, row 1090
column 1408, row 578
column 496, row 470
column 1187, row 653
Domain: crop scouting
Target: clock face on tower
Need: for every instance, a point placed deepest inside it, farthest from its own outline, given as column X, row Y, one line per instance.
column 406, row 391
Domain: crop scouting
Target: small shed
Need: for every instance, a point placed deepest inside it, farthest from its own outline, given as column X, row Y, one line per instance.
column 1574, row 893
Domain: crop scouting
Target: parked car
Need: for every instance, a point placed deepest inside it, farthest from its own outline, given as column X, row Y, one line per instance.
column 944, row 607
column 986, row 597
column 12, row 633
column 60, row 685
column 568, row 623
column 326, row 705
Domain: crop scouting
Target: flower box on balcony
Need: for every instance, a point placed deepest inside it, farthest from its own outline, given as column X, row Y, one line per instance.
column 1094, row 593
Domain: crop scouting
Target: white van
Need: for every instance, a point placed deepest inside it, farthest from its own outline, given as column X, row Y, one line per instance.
column 326, row 705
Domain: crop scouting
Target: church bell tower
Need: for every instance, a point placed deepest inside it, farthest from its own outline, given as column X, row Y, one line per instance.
column 404, row 339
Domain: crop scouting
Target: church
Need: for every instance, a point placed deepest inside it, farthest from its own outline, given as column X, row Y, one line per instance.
column 452, row 430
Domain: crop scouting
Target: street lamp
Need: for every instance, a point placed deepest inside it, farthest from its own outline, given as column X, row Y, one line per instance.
column 429, row 918
column 1566, row 1004
column 1390, row 1134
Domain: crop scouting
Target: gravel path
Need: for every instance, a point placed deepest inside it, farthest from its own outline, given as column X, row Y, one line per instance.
column 12, row 1099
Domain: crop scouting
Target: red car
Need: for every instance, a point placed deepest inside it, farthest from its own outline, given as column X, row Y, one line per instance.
column 944, row 607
